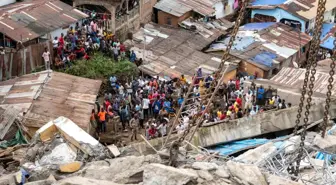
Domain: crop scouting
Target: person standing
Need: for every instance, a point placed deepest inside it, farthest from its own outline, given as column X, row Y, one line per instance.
column 46, row 58
column 102, row 120
column 133, row 57
column 134, row 123
column 145, row 106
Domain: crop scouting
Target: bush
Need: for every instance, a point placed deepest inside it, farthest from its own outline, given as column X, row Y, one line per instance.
column 99, row 67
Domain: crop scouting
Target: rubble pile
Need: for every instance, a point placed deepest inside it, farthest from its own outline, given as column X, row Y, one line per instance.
column 63, row 154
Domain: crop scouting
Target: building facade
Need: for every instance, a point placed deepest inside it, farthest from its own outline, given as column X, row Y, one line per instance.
column 302, row 17
column 125, row 15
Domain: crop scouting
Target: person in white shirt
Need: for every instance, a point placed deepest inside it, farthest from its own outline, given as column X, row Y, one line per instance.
column 248, row 100
column 46, row 57
column 162, row 129
column 55, row 43
column 145, row 106
column 180, row 128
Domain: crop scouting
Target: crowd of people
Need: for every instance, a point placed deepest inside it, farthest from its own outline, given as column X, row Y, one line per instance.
column 149, row 104
column 83, row 40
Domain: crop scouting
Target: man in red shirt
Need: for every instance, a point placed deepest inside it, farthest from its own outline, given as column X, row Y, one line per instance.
column 152, row 132
column 122, row 50
column 61, row 40
column 239, row 101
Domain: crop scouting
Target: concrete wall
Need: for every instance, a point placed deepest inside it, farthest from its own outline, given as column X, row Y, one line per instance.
column 252, row 69
column 147, row 10
column 163, row 18
column 248, row 127
column 230, row 75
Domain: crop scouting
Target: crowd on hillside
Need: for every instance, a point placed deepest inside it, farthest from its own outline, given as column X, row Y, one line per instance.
column 150, row 104
column 81, row 41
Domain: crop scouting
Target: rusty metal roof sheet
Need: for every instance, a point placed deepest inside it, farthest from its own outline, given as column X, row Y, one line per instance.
column 292, row 77
column 305, row 9
column 180, row 7
column 171, row 52
column 45, row 99
column 31, row 19
column 173, row 7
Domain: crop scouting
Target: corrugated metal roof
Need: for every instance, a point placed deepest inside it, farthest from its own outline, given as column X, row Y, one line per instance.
column 328, row 36
column 292, row 77
column 305, row 9
column 179, row 53
column 173, row 7
column 30, row 19
column 180, row 7
column 277, row 39
column 45, row 99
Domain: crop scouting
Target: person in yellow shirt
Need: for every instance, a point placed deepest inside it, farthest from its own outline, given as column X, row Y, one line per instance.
column 183, row 80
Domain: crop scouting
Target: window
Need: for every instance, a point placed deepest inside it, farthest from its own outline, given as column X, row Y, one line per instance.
column 334, row 11
column 169, row 21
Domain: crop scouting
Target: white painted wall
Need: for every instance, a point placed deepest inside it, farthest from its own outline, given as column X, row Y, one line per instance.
column 329, row 17
column 222, row 11
column 6, row 2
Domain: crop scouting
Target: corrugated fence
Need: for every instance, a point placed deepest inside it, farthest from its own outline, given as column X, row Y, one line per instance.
column 23, row 61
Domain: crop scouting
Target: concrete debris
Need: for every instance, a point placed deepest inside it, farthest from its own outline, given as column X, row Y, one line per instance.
column 205, row 175
column 204, row 166
column 276, row 180
column 222, row 172
column 61, row 154
column 328, row 143
column 74, row 135
column 291, row 145
column 114, row 150
column 258, row 154
column 82, row 180
column 166, row 175
column 49, row 181
column 248, row 173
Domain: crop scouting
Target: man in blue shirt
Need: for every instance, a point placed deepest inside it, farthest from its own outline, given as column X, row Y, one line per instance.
column 180, row 101
column 156, row 107
column 260, row 95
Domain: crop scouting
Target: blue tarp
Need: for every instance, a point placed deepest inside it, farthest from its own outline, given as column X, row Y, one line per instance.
column 326, row 28
column 329, row 43
column 264, row 58
column 267, row 2
column 257, row 26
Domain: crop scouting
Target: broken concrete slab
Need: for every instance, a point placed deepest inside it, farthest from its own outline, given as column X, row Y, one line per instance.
column 73, row 134
column 222, row 172
column 112, row 169
column 70, row 167
column 205, row 175
column 246, row 172
column 328, row 143
column 61, row 154
column 114, row 150
column 82, row 180
column 204, row 166
column 276, row 180
column 49, row 181
column 166, row 175
column 258, row 154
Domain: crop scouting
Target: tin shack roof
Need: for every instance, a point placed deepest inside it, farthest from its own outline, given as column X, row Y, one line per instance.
column 328, row 36
column 170, row 52
column 31, row 19
column 180, row 7
column 44, row 99
column 265, row 45
column 305, row 9
column 173, row 7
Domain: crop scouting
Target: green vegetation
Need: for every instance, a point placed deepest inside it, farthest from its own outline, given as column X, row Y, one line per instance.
column 100, row 67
